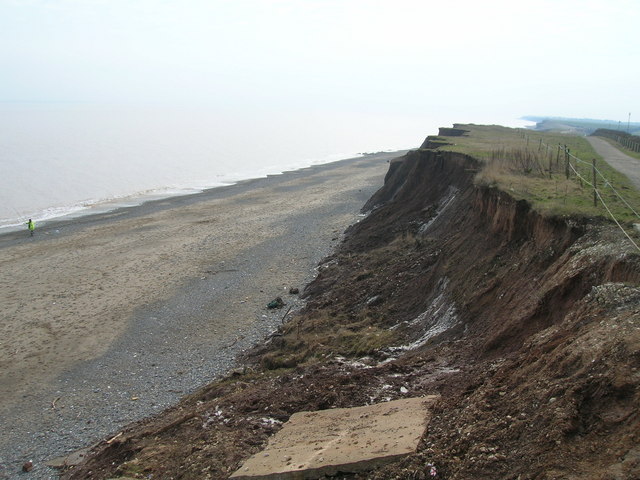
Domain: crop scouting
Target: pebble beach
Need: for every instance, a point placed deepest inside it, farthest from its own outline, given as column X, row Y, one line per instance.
column 110, row 318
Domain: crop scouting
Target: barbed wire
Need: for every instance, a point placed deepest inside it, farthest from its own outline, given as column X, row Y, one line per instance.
column 610, row 185
column 580, row 176
column 607, row 183
column 606, row 180
column 615, row 220
column 595, row 189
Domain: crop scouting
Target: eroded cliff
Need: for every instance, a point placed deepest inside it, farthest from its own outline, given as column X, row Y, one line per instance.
column 528, row 327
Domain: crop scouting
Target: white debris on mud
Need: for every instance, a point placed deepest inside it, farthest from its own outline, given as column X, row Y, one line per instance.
column 438, row 318
column 442, row 206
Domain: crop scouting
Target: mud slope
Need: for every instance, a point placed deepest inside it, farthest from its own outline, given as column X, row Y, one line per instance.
column 527, row 326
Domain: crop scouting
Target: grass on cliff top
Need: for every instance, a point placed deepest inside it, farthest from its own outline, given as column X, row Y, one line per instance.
column 517, row 162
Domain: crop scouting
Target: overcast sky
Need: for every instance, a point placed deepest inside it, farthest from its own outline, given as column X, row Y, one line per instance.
column 577, row 58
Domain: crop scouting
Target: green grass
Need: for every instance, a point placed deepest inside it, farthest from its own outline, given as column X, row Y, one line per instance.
column 322, row 334
column 516, row 162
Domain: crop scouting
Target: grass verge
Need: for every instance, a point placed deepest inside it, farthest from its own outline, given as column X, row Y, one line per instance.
column 530, row 165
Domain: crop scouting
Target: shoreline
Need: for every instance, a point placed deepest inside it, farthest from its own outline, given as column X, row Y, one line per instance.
column 108, row 206
column 117, row 315
column 163, row 202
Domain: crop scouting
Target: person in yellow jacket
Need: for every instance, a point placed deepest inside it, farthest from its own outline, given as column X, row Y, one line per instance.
column 31, row 225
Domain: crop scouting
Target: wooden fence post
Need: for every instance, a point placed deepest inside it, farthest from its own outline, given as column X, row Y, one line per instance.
column 566, row 161
column 595, row 191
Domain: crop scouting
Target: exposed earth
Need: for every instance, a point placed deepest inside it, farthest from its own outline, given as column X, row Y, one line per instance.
column 526, row 326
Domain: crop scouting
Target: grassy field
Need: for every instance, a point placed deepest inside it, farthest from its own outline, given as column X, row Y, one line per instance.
column 530, row 165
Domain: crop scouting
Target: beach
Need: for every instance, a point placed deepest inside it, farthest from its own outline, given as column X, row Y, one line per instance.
column 109, row 318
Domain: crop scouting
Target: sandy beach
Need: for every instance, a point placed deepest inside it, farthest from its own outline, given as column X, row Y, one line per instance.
column 108, row 318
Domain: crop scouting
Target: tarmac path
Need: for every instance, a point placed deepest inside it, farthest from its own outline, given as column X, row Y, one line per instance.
column 624, row 163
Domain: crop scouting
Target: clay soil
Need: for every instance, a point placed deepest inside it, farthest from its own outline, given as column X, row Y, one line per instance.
column 528, row 328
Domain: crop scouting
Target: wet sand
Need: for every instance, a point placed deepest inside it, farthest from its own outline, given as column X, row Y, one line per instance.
column 108, row 318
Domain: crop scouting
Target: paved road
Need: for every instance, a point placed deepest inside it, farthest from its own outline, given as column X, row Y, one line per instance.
column 624, row 163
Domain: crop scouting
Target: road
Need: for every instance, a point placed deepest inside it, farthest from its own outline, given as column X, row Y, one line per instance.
column 624, row 163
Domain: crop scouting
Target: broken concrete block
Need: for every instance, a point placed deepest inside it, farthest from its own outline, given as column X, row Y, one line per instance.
column 69, row 460
column 314, row 444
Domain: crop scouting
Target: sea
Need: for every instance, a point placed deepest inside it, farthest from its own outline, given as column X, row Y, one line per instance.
column 64, row 160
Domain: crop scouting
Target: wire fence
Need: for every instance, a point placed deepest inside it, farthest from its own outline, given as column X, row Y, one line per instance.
column 596, row 179
column 632, row 142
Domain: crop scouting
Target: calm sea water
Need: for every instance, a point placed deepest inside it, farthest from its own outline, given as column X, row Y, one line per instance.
column 58, row 159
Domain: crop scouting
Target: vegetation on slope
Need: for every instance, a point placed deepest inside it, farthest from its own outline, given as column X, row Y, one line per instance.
column 530, row 165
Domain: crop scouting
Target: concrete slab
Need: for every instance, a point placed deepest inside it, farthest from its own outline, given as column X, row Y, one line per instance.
column 314, row 444
column 70, row 460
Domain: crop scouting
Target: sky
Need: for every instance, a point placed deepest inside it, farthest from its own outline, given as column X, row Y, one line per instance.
column 572, row 58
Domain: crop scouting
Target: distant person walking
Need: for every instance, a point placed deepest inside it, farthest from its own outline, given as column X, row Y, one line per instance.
column 31, row 225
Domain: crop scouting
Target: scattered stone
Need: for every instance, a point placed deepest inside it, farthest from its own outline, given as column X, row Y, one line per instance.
column 294, row 291
column 276, row 303
column 27, row 466
column 238, row 372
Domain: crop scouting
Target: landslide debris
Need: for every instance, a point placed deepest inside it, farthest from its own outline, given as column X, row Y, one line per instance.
column 527, row 326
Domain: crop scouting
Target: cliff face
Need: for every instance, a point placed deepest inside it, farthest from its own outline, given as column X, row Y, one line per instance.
column 527, row 326
column 545, row 333
column 510, row 271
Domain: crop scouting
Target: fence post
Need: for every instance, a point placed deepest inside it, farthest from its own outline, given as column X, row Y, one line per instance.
column 595, row 191
column 558, row 156
column 566, row 161
column 540, row 146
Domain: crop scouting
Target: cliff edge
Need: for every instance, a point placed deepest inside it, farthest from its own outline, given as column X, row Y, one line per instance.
column 526, row 325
